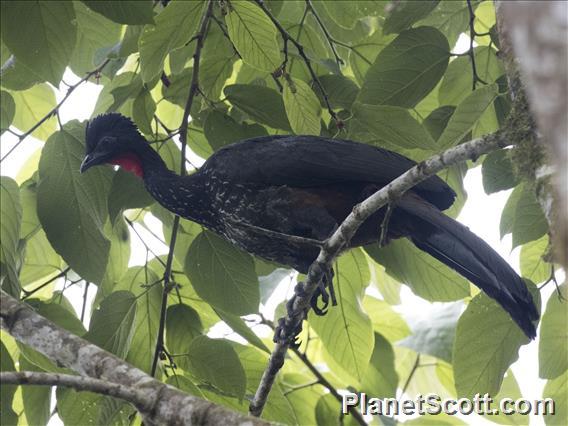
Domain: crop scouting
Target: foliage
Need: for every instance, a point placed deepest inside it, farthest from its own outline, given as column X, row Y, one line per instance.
column 364, row 70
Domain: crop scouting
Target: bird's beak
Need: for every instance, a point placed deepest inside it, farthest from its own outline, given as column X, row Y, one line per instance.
column 87, row 163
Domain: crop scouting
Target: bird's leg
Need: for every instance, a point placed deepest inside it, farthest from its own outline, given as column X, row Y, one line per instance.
column 324, row 285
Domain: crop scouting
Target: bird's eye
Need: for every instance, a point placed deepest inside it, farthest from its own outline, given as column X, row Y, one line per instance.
column 106, row 141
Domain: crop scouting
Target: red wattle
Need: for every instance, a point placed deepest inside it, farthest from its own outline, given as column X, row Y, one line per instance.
column 129, row 162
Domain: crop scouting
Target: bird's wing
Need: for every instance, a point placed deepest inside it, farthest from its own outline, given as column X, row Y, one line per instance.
column 311, row 161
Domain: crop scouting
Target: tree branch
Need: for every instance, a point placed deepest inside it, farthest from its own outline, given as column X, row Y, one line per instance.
column 193, row 91
column 340, row 238
column 157, row 402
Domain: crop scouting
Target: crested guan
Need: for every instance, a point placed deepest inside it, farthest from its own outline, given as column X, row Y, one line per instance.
column 257, row 192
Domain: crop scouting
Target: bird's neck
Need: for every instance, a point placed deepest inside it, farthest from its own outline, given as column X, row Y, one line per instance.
column 183, row 195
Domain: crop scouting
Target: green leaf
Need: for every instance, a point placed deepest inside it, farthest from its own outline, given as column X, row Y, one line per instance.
column 59, row 314
column 214, row 362
column 144, row 285
column 458, row 80
column 75, row 232
column 522, row 216
column 143, row 109
column 211, row 259
column 111, row 325
column 349, row 324
column 127, row 191
column 7, row 414
column 254, row 36
column 381, row 378
column 437, row 120
column 407, row 69
column 41, row 35
column 385, row 320
column 449, row 17
column 403, row 14
column 497, row 172
column 176, row 92
column 125, row 11
column 553, row 344
column 77, row 408
column 220, row 130
column 365, row 51
column 467, row 113
column 487, row 342
column 215, row 70
column 426, row 276
column 10, row 223
column 16, row 76
column 31, row 106
column 392, row 126
column 94, row 32
column 262, row 104
column 433, row 334
column 533, row 265
column 242, row 329
column 341, row 91
column 40, row 260
column 557, row 390
column 302, row 108
column 328, row 411
column 7, row 110
column 174, row 26
column 343, row 13
column 182, row 326
column 36, row 399
column 185, row 384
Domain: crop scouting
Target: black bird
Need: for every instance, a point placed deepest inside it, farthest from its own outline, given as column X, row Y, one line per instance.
column 277, row 197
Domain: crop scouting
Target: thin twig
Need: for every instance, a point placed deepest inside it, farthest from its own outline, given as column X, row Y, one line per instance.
column 329, row 38
column 56, row 108
column 148, row 249
column 193, row 91
column 84, row 306
column 62, row 274
column 286, row 36
column 341, row 237
column 411, row 374
column 471, row 51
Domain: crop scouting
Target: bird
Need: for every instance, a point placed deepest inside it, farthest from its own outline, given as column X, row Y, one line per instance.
column 280, row 197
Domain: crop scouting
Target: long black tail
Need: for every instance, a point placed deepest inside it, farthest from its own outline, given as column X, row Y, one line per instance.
column 456, row 246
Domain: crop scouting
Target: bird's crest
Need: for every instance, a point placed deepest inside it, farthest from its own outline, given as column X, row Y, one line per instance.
column 112, row 123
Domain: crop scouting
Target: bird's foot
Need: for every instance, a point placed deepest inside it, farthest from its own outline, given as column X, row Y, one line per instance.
column 287, row 332
column 326, row 291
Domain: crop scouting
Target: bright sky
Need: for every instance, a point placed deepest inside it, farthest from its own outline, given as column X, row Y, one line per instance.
column 481, row 214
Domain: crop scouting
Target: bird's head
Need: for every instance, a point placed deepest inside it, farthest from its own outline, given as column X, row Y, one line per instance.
column 114, row 139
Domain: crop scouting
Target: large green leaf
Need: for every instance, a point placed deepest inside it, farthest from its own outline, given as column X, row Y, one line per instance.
column 381, row 379
column 426, row 276
column 262, row 104
column 302, row 108
column 365, row 51
column 145, row 285
column 341, row 91
column 467, row 113
column 392, row 126
column 182, row 326
column 31, row 106
column 487, row 342
column 220, row 130
column 75, row 231
column 403, row 14
column 10, row 223
column 111, row 325
column 41, row 35
column 36, row 399
column 254, row 36
column 458, row 80
column 7, row 110
column 222, row 275
column 77, row 408
column 449, row 17
column 93, row 33
column 553, row 344
column 347, row 322
column 522, row 216
column 124, row 12
column 242, row 329
column 127, row 191
column 533, row 265
column 407, row 69
column 385, row 320
column 434, row 334
column 7, row 414
column 215, row 70
column 174, row 26
column 214, row 362
column 343, row 13
column 497, row 172
column 557, row 391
